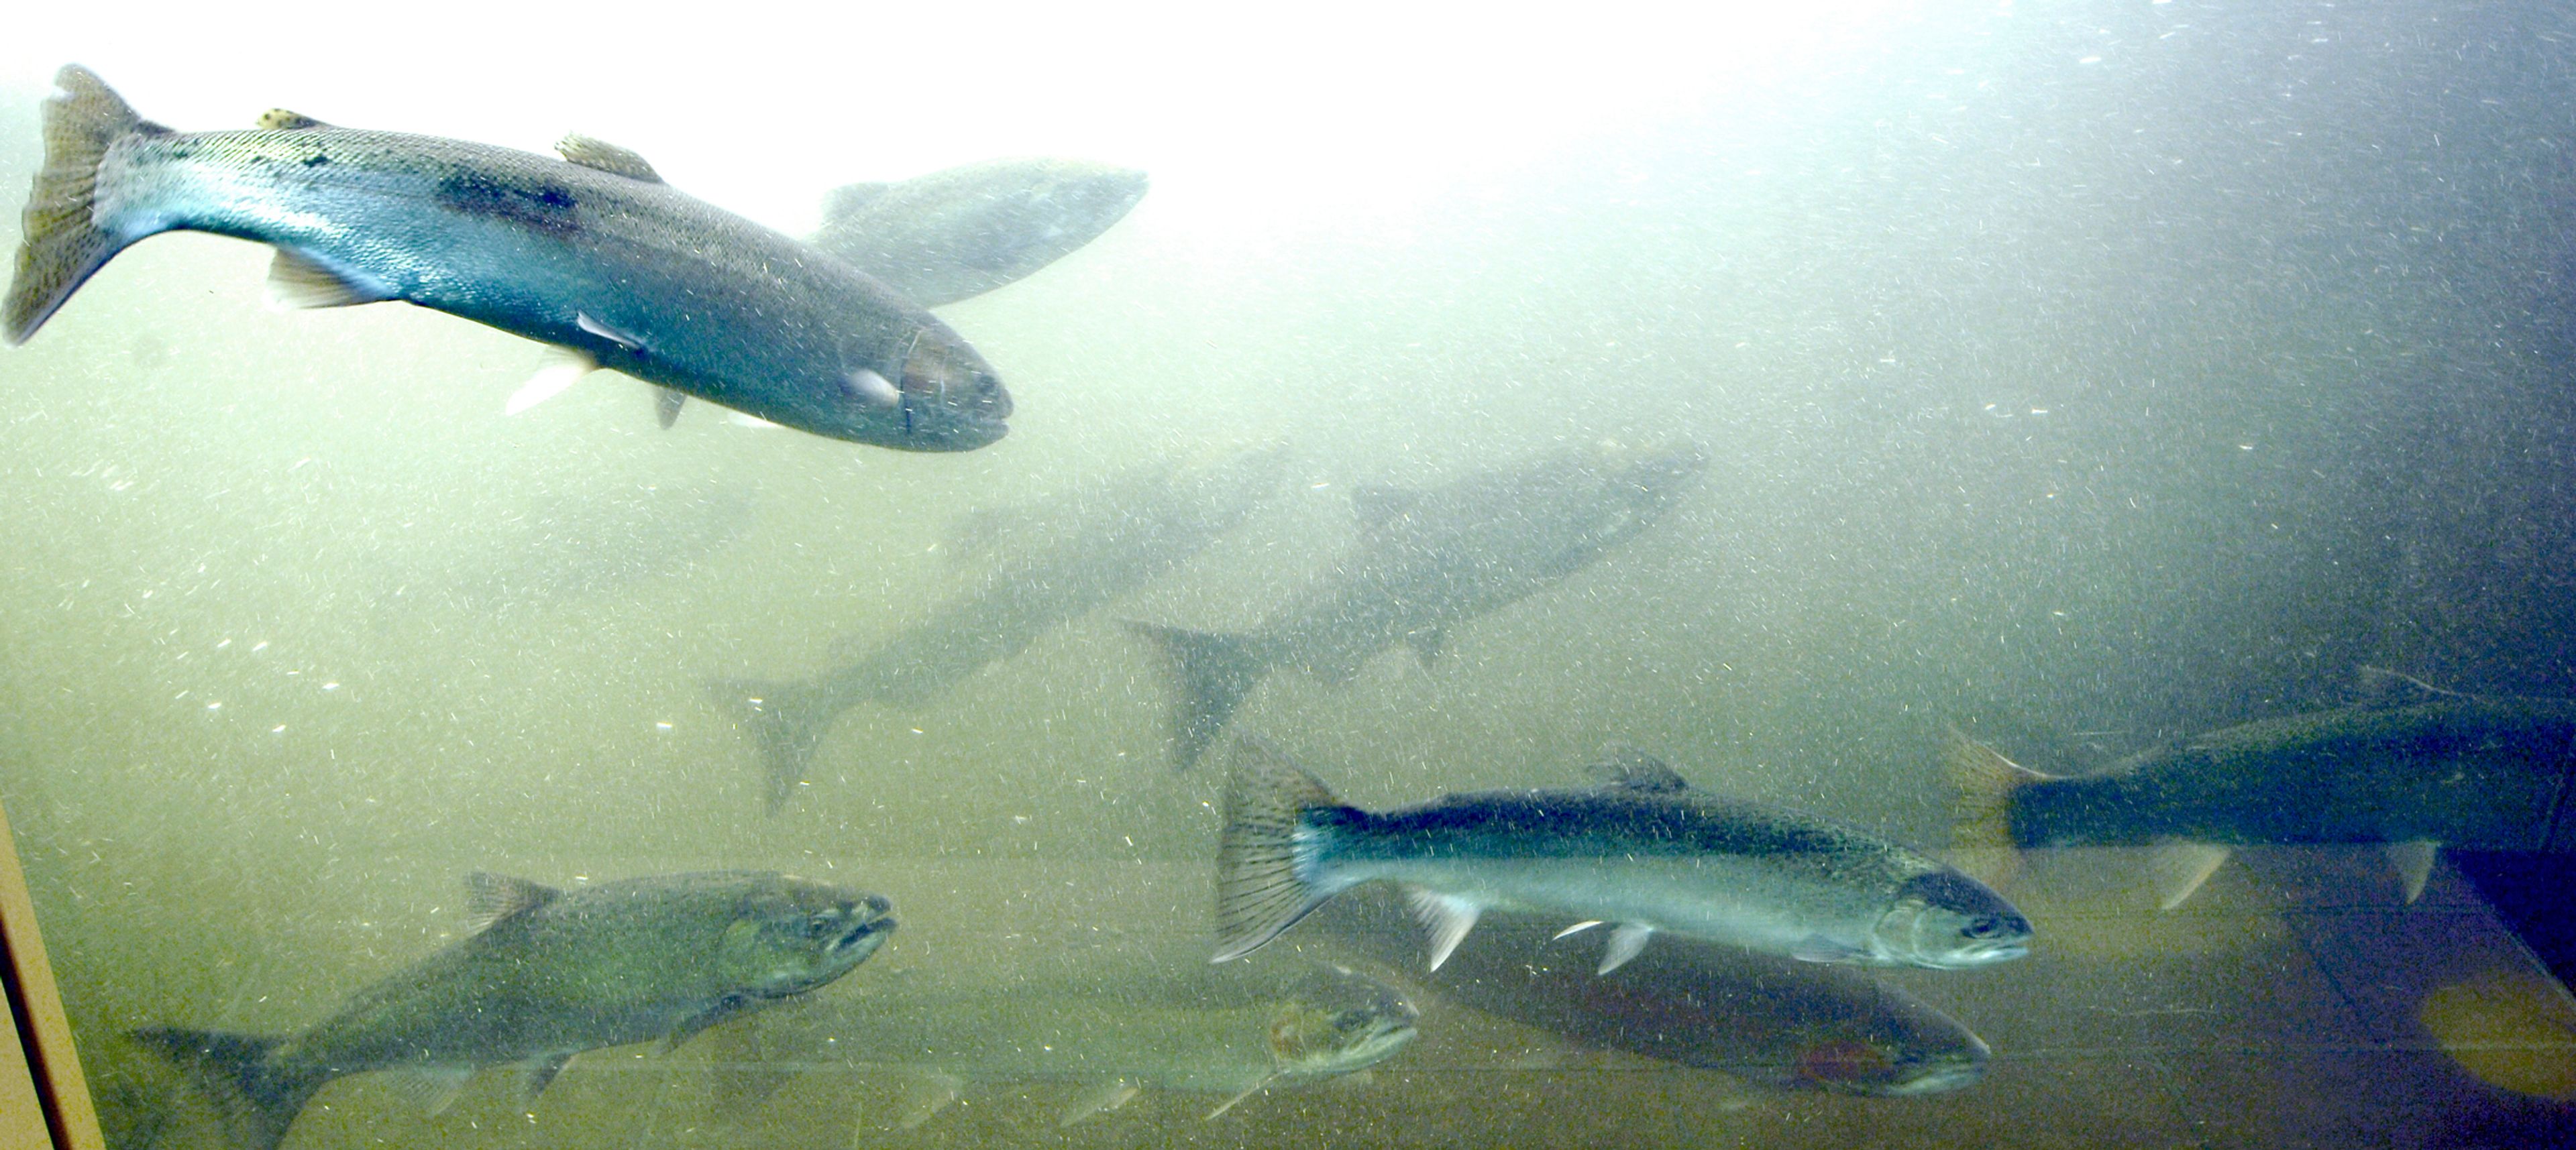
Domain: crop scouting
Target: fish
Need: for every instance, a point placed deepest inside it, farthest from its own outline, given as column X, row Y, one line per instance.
column 1770, row 1020
column 592, row 255
column 2411, row 774
column 1046, row 566
column 1427, row 561
column 546, row 974
column 1644, row 851
column 1111, row 1035
column 958, row 233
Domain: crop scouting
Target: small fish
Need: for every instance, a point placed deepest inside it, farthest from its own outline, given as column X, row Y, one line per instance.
column 962, row 232
column 1427, row 561
column 1760, row 1017
column 1645, row 851
column 591, row 254
column 1047, row 564
column 2449, row 769
column 549, row 973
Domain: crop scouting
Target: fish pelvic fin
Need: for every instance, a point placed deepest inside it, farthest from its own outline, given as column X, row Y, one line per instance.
column 1983, row 781
column 1214, row 672
column 2413, row 861
column 2178, row 867
column 1268, row 856
column 785, row 724
column 63, row 244
column 252, row 1099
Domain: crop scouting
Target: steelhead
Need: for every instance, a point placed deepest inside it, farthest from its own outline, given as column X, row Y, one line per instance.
column 1763, row 1018
column 1427, row 561
column 1041, row 566
column 549, row 973
column 964, row 231
column 591, row 254
column 1644, row 851
column 2490, row 773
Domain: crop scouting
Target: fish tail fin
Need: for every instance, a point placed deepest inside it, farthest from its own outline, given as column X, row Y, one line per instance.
column 785, row 724
column 1268, row 863
column 254, row 1101
column 1214, row 672
column 63, row 243
column 1981, row 825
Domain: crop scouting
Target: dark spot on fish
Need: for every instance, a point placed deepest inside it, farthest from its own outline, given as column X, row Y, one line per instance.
column 543, row 204
column 316, row 160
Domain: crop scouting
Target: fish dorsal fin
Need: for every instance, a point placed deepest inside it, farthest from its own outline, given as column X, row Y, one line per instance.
column 724, row 1008
column 607, row 157
column 849, row 200
column 281, row 120
column 489, row 898
column 666, row 405
column 1625, row 942
column 1377, row 503
column 1629, row 769
column 2179, row 867
column 2414, row 863
column 1447, row 916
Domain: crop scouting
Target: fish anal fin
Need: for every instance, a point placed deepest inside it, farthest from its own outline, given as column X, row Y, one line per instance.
column 1448, row 918
column 1099, row 1099
column 2179, row 867
column 666, row 405
column 282, row 120
column 297, row 281
column 430, row 1089
column 724, row 1008
column 1625, row 942
column 2414, row 862
column 561, row 368
column 490, row 898
column 607, row 157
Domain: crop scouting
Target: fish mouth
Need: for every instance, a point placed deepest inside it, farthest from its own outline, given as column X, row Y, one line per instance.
column 1937, row 1079
column 874, row 925
column 934, row 422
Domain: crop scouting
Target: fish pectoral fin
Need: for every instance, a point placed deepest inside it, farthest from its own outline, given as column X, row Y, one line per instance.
column 606, row 157
column 1447, row 916
column 561, row 368
column 724, row 1008
column 297, row 281
column 539, row 1072
column 929, row 1094
column 1625, row 942
column 2414, row 862
column 595, row 326
column 2179, row 867
column 489, row 898
column 1575, row 929
column 666, row 405
column 1248, row 1092
column 430, row 1089
column 1099, row 1099
column 1818, row 948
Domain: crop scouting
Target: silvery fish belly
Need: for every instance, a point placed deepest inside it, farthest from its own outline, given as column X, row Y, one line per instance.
column 592, row 254
column 1644, row 853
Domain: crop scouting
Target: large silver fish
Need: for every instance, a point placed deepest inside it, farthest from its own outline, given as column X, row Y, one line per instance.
column 1427, row 561
column 592, row 254
column 964, row 231
column 549, row 974
column 1644, row 851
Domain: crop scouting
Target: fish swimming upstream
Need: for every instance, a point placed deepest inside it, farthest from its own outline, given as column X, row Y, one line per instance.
column 549, row 973
column 2439, row 769
column 1644, row 851
column 964, row 231
column 591, row 254
column 1427, row 561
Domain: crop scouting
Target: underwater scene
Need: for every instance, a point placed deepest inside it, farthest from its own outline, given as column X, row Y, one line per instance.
column 1861, row 573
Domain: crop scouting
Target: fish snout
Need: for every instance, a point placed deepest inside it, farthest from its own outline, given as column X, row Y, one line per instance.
column 951, row 398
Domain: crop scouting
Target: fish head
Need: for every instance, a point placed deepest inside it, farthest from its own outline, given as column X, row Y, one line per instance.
column 790, row 935
column 1896, row 1047
column 1340, row 1021
column 940, row 396
column 1947, row 921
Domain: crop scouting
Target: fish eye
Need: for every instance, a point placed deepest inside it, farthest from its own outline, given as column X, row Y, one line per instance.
column 1983, row 926
column 822, row 924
